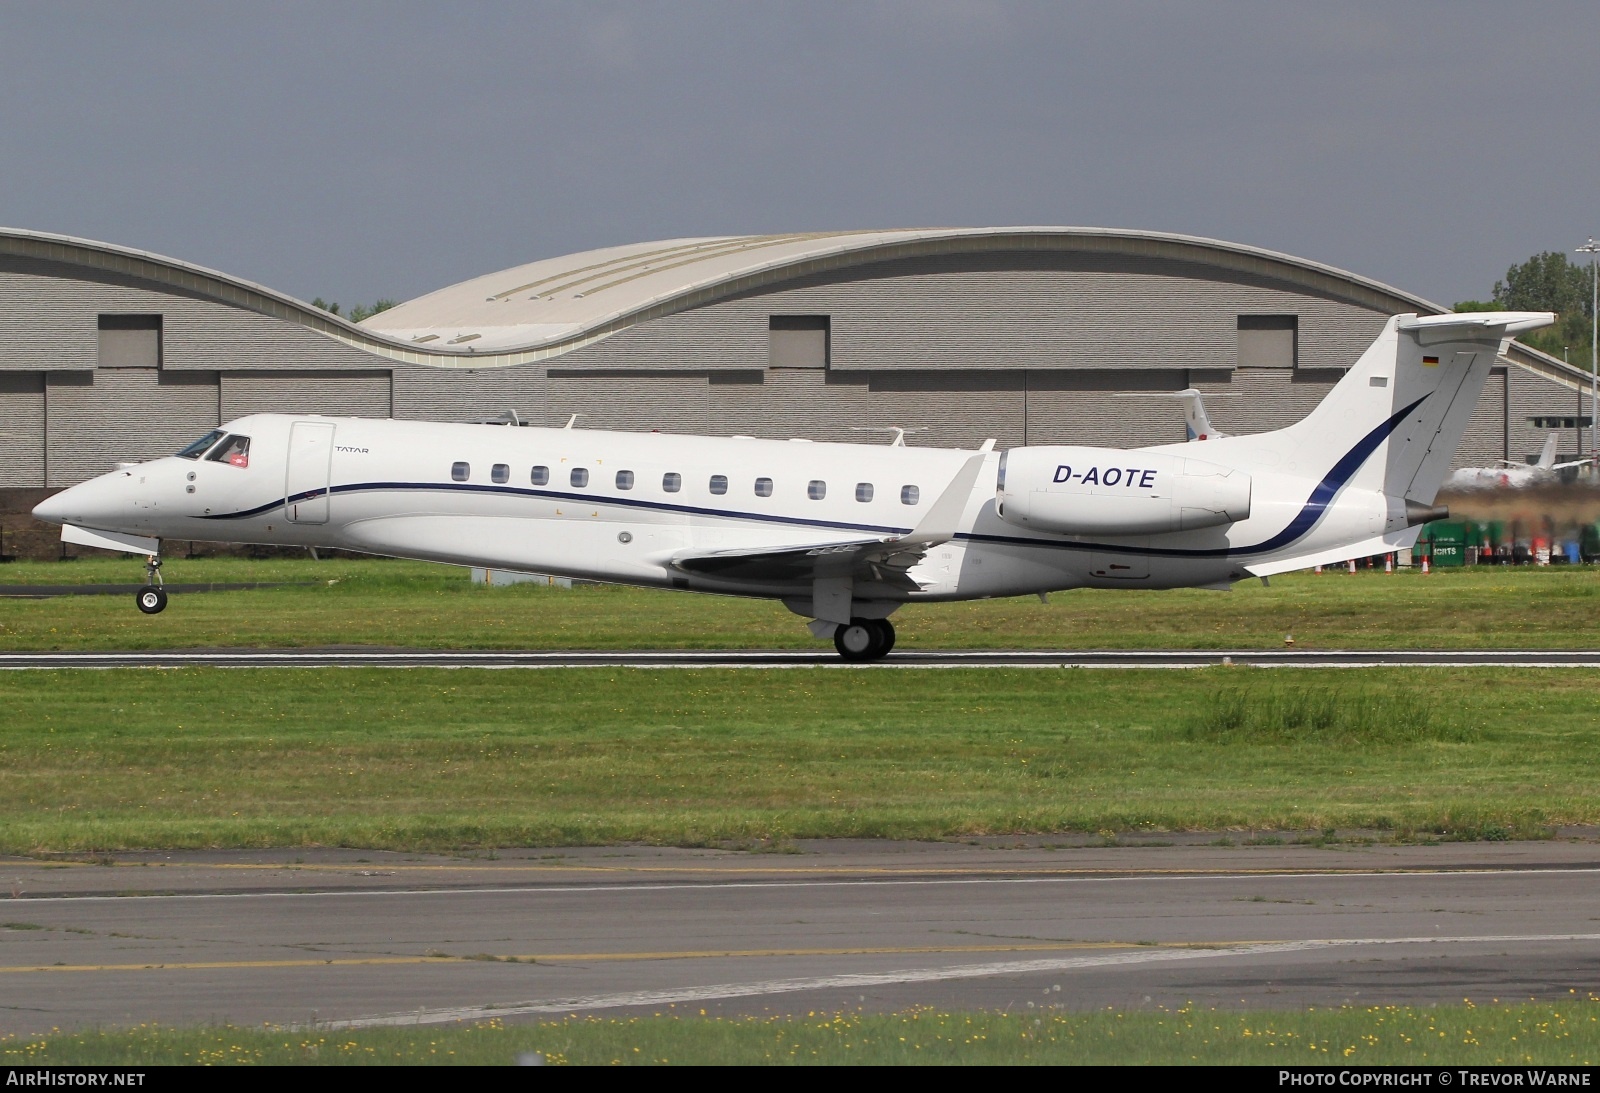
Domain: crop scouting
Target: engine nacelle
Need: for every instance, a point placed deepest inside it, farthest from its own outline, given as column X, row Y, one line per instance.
column 1107, row 491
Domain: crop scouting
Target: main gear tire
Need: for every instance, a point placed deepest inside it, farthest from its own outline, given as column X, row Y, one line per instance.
column 862, row 640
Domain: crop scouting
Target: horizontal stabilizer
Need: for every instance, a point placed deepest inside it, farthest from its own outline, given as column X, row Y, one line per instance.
column 1443, row 328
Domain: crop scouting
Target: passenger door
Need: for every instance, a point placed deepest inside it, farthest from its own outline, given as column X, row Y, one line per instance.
column 309, row 472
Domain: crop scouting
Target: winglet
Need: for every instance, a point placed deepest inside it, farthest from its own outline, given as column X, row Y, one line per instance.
column 943, row 519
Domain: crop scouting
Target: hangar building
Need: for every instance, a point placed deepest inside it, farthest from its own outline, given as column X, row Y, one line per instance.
column 1028, row 335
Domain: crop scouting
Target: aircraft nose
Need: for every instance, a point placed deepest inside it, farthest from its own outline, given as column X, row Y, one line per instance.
column 99, row 502
column 54, row 509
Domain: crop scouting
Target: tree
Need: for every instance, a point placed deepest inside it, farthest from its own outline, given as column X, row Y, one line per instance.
column 357, row 313
column 363, row 311
column 1547, row 282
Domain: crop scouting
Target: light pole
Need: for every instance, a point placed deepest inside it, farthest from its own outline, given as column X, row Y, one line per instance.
column 1591, row 248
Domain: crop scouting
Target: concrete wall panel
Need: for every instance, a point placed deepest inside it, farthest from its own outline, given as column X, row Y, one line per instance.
column 98, row 419
column 337, row 394
column 21, row 429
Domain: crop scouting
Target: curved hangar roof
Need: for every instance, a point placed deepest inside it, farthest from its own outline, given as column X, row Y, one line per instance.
column 544, row 309
column 553, row 306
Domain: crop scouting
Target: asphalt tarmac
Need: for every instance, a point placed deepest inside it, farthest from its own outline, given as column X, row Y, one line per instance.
column 358, row 938
column 756, row 658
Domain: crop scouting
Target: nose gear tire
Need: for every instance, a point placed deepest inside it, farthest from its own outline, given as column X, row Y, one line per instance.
column 151, row 600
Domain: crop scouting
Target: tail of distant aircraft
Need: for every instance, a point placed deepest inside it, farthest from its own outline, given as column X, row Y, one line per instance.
column 1195, row 421
column 1547, row 457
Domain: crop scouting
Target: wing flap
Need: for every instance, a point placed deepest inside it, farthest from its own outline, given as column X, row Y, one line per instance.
column 882, row 560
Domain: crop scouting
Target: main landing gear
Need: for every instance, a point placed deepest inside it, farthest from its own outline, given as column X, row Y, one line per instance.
column 152, row 598
column 864, row 639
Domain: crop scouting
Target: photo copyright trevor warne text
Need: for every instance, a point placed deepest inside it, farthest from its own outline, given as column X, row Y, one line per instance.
column 1441, row 1077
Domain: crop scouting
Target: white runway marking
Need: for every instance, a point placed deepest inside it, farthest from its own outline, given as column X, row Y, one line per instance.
column 1086, row 658
column 855, row 980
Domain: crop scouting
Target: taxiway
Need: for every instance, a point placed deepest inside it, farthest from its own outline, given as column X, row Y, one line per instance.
column 354, row 938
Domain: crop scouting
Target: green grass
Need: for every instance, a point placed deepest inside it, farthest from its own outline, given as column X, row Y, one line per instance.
column 1287, row 711
column 1464, row 1035
column 392, row 603
column 431, row 758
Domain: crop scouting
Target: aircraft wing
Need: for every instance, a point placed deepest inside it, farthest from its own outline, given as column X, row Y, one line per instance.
column 884, row 559
column 879, row 560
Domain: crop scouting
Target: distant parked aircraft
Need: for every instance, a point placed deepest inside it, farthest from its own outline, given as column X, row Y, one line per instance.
column 842, row 534
column 1195, row 421
column 1516, row 476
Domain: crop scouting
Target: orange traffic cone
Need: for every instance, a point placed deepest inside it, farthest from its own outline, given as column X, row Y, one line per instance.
column 1352, row 565
column 1425, row 569
column 1388, row 563
column 1318, row 569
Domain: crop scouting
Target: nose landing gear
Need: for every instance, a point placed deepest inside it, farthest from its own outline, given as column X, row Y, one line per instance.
column 152, row 598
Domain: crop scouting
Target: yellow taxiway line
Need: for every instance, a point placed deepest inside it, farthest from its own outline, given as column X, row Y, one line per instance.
column 589, row 958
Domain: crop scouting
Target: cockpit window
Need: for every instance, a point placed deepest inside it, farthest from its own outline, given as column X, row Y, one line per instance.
column 234, row 451
column 198, row 448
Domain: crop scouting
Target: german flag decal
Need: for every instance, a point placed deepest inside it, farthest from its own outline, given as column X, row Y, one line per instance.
column 1430, row 362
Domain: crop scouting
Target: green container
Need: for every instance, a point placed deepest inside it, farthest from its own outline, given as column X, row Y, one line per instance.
column 1589, row 542
column 1447, row 542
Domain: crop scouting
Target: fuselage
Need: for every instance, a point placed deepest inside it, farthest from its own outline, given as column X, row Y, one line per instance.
column 619, row 507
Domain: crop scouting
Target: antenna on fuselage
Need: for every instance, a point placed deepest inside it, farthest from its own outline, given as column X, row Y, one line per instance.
column 899, row 440
column 571, row 421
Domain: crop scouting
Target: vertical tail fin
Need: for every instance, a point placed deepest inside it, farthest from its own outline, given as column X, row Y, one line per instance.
column 1547, row 457
column 1393, row 423
column 1195, row 421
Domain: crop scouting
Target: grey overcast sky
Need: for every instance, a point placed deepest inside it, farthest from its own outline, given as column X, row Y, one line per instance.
column 361, row 149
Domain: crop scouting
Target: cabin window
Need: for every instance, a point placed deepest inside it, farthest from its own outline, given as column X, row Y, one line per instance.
column 198, row 448
column 719, row 484
column 235, row 451
column 909, row 495
column 540, row 476
column 460, row 472
column 863, row 491
column 624, row 480
column 671, row 482
column 763, row 487
column 500, row 472
column 580, row 476
column 817, row 489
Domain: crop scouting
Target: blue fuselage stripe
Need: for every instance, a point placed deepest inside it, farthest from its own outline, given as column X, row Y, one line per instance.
column 556, row 495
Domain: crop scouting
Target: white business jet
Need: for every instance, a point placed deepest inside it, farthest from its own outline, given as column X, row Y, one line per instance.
column 842, row 534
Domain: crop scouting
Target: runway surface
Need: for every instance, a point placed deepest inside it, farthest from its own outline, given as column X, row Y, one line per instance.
column 50, row 591
column 1115, row 658
column 359, row 938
